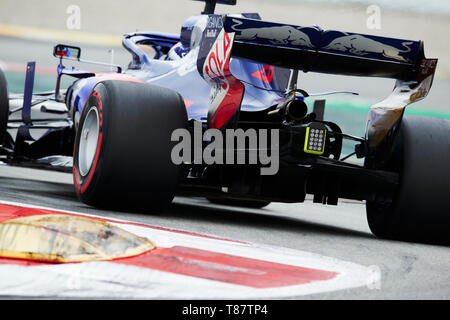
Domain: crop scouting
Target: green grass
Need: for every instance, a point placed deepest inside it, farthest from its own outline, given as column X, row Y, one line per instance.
column 364, row 106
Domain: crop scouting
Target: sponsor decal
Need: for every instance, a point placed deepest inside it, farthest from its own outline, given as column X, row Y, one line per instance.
column 279, row 35
column 216, row 66
column 226, row 91
column 211, row 33
column 361, row 46
column 215, row 22
column 265, row 74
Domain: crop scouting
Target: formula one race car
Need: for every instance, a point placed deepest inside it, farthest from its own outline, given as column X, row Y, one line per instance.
column 215, row 112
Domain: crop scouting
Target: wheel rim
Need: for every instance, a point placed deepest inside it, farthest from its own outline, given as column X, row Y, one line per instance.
column 88, row 141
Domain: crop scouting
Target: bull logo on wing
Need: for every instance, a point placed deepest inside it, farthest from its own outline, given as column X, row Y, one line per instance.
column 360, row 45
column 279, row 35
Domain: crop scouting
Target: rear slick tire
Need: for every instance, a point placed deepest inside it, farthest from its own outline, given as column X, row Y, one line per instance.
column 123, row 146
column 420, row 211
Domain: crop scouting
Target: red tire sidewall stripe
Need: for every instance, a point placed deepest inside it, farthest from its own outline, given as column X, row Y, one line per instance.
column 94, row 165
column 82, row 184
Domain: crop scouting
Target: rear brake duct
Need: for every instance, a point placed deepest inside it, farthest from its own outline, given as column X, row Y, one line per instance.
column 383, row 115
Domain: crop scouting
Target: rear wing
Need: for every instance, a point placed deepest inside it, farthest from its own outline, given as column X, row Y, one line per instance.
column 312, row 49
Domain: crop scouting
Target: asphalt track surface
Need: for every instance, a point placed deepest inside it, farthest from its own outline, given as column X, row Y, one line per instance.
column 408, row 270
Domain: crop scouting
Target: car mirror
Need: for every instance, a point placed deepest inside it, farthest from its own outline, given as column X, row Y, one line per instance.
column 65, row 51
